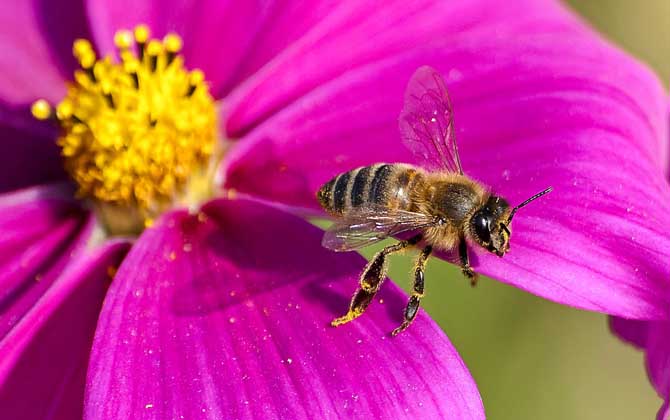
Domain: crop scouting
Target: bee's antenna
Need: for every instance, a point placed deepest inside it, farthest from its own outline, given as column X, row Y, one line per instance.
column 535, row 197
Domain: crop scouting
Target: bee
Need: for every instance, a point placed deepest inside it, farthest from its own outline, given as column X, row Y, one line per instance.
column 446, row 208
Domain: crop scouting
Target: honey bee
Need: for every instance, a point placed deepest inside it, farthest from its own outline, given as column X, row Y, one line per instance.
column 444, row 206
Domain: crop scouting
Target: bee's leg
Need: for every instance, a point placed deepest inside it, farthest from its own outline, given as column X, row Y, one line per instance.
column 417, row 291
column 371, row 280
column 465, row 263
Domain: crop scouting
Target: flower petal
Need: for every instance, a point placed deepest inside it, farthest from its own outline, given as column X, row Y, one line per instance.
column 36, row 44
column 225, row 315
column 536, row 105
column 31, row 155
column 43, row 360
column 354, row 34
column 664, row 411
column 658, row 357
column 43, row 228
column 220, row 37
column 653, row 337
column 632, row 331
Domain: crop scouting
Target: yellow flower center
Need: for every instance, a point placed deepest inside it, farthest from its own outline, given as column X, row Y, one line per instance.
column 139, row 136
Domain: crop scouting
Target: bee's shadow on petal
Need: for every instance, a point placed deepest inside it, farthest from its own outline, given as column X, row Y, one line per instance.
column 222, row 274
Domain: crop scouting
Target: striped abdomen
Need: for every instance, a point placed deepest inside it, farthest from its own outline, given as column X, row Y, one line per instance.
column 386, row 185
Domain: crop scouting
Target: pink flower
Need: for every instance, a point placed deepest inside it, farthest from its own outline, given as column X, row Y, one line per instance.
column 224, row 313
column 219, row 314
column 652, row 337
column 538, row 101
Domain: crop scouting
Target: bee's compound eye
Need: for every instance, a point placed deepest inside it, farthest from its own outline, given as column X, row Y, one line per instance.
column 482, row 227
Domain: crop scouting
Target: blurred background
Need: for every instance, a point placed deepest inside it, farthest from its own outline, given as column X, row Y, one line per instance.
column 533, row 359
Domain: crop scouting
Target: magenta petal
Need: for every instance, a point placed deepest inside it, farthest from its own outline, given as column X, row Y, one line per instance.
column 632, row 331
column 43, row 360
column 217, row 35
column 225, row 315
column 658, row 357
column 356, row 33
column 43, row 228
column 31, row 155
column 664, row 411
column 36, row 44
column 652, row 337
column 531, row 110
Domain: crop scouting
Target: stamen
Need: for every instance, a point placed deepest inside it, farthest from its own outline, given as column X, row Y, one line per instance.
column 141, row 36
column 173, row 45
column 154, row 49
column 130, row 136
column 110, row 99
column 131, row 68
column 84, row 53
column 123, row 40
column 196, row 78
column 41, row 110
column 64, row 110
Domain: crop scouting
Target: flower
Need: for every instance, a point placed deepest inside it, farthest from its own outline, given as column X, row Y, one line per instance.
column 224, row 312
column 225, row 307
column 652, row 337
column 539, row 100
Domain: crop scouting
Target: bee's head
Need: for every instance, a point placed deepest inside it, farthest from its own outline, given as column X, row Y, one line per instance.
column 490, row 226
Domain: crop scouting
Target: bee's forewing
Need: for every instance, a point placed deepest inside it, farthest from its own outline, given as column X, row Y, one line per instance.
column 427, row 124
column 365, row 226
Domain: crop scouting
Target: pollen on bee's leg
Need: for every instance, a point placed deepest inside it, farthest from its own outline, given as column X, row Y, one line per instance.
column 350, row 316
column 373, row 274
column 418, row 287
column 358, row 305
column 371, row 280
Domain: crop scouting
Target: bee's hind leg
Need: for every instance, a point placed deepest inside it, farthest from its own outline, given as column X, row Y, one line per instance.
column 465, row 263
column 417, row 291
column 371, row 280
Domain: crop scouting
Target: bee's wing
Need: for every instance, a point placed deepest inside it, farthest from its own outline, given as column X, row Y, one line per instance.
column 426, row 121
column 365, row 226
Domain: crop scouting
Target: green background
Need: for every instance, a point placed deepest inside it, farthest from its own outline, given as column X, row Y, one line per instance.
column 533, row 359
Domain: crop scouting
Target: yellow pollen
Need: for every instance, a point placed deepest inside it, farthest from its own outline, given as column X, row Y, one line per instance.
column 172, row 43
column 83, row 51
column 81, row 47
column 154, row 47
column 41, row 109
column 139, row 134
column 123, row 39
column 141, row 34
column 196, row 77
